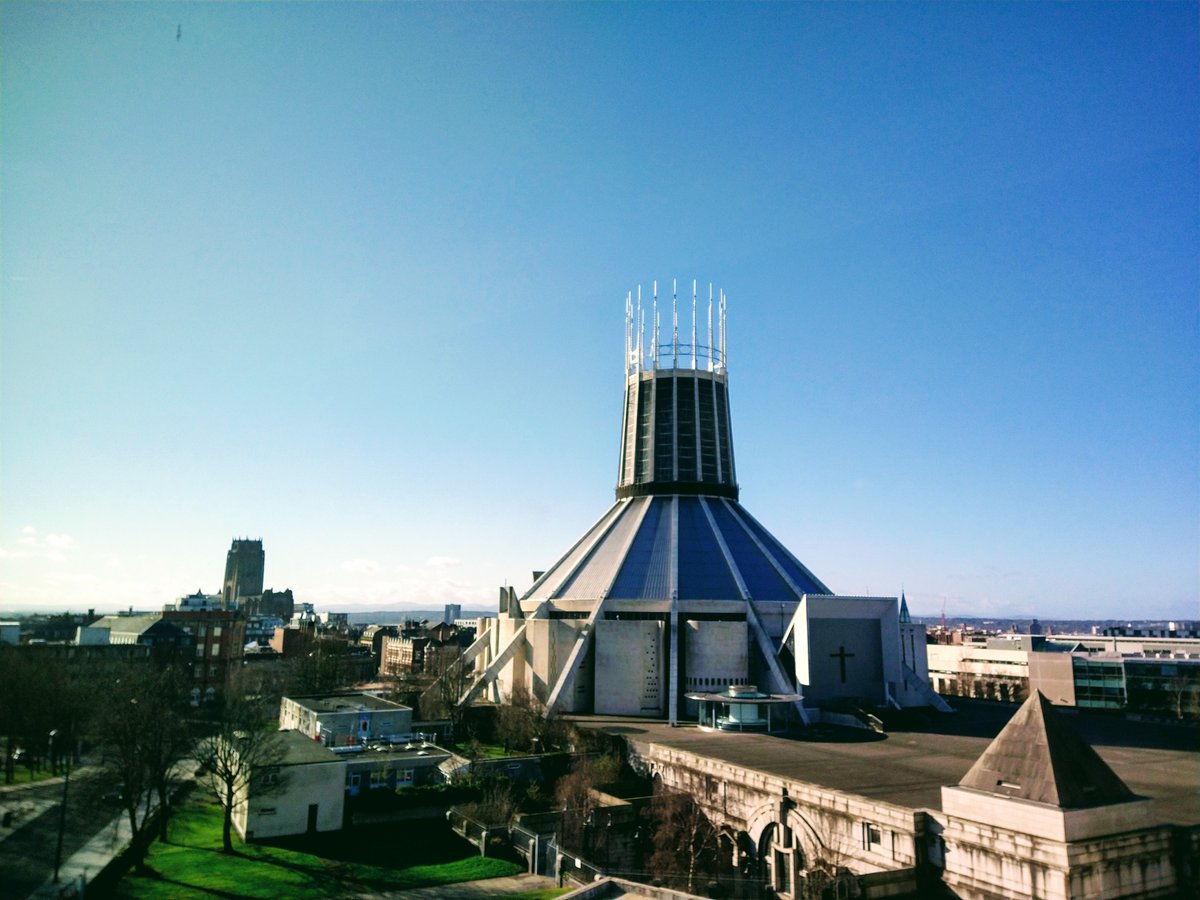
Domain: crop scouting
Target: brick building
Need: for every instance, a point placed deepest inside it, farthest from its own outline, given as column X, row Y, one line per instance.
column 219, row 637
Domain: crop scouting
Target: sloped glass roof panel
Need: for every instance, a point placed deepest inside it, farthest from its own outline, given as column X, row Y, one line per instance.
column 703, row 572
column 596, row 574
column 804, row 581
column 762, row 579
column 646, row 573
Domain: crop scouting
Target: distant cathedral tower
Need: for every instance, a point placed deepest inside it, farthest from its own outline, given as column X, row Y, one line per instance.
column 243, row 572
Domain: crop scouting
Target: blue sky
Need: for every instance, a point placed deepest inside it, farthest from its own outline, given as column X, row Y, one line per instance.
column 351, row 278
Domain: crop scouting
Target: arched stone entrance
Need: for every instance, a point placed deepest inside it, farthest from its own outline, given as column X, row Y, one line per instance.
column 788, row 845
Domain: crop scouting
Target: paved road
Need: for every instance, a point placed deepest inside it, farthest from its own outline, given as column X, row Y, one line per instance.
column 28, row 845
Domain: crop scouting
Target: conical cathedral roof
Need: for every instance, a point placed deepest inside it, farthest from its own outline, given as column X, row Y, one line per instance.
column 677, row 531
column 1040, row 757
column 665, row 547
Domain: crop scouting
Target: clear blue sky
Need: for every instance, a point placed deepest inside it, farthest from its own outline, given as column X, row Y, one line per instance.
column 351, row 278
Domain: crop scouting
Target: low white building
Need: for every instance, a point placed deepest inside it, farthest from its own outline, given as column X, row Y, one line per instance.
column 347, row 719
column 304, row 792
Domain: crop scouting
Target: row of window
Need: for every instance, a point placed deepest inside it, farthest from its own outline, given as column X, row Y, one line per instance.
column 201, row 630
column 713, row 682
column 379, row 778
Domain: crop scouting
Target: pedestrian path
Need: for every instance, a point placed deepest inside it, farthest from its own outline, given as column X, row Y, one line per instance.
column 23, row 802
column 78, row 869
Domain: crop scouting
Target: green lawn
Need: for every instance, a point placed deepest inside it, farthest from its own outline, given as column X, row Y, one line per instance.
column 24, row 775
column 486, row 751
column 192, row 865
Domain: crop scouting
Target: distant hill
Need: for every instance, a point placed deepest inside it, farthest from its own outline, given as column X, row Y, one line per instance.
column 1049, row 626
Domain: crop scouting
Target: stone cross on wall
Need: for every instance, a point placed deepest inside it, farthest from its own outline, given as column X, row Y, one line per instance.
column 842, row 656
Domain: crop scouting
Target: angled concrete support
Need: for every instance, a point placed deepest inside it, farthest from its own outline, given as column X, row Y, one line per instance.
column 769, row 654
column 566, row 680
column 488, row 676
column 925, row 689
column 477, row 648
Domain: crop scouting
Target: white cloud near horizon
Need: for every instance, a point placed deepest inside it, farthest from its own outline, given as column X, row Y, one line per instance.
column 52, row 547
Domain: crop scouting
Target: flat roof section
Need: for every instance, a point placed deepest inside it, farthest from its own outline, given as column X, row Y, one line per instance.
column 327, row 703
column 299, row 750
column 909, row 768
column 396, row 754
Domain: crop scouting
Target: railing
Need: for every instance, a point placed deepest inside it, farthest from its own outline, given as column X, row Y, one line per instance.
column 478, row 833
column 577, row 868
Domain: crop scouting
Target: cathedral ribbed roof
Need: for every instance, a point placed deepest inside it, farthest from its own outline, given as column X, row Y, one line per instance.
column 665, row 547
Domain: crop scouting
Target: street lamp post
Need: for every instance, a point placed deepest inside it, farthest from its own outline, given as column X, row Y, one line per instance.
column 62, row 812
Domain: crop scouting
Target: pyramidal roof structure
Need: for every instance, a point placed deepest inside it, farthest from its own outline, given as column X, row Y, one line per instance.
column 1038, row 756
column 677, row 531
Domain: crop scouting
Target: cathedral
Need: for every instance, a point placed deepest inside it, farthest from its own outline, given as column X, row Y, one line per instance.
column 677, row 591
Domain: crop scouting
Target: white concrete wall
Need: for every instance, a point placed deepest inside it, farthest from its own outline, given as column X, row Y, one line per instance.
column 86, row 636
column 284, row 810
column 913, row 652
column 630, row 668
column 1050, row 822
column 548, row 646
column 826, row 822
column 716, row 655
column 1053, row 675
column 993, row 860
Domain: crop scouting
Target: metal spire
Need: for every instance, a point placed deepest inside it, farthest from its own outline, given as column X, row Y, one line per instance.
column 674, row 325
column 694, row 360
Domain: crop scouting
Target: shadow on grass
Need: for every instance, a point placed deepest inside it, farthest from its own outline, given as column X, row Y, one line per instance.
column 199, row 869
column 368, row 859
column 154, row 875
column 390, row 846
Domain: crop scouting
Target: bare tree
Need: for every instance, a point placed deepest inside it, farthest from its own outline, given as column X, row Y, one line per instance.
column 1184, row 692
column 142, row 725
column 40, row 694
column 524, row 723
column 516, row 725
column 684, row 840
column 168, row 741
column 497, row 805
column 575, row 795
column 449, row 675
column 245, row 737
column 825, row 873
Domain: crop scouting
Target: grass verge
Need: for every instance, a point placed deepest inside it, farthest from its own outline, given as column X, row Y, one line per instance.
column 192, row 865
